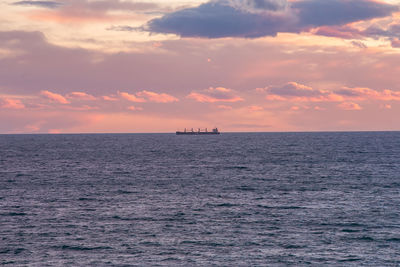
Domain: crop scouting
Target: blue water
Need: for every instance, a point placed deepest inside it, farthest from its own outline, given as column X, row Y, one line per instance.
column 270, row 199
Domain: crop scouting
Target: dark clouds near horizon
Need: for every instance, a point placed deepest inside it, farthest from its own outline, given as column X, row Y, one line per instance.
column 258, row 18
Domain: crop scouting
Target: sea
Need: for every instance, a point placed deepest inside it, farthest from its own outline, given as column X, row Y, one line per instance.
column 235, row 199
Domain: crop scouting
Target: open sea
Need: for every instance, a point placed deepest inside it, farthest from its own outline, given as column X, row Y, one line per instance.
column 235, row 199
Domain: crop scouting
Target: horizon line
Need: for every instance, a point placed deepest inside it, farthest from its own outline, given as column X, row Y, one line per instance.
column 227, row 132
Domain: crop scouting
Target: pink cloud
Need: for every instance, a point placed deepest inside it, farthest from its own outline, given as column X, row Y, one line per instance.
column 350, row 106
column 74, row 17
column 81, row 96
column 82, row 108
column 86, row 11
column 255, row 108
column 54, row 97
column 157, row 44
column 295, row 108
column 133, row 108
column 298, row 92
column 148, row 96
column 157, row 98
column 387, row 106
column 293, row 91
column 10, row 103
column 131, row 98
column 212, row 95
column 344, row 32
column 109, row 98
column 396, row 43
column 359, row 93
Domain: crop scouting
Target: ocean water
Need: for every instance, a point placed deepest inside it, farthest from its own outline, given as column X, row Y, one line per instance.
column 237, row 199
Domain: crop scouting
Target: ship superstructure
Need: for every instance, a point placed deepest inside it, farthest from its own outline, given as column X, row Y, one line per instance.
column 198, row 132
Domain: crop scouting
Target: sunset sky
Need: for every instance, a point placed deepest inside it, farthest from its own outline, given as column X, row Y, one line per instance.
column 88, row 66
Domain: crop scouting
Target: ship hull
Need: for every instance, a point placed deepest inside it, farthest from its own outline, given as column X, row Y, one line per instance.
column 197, row 133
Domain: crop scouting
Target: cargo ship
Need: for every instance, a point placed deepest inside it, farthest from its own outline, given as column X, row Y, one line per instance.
column 198, row 132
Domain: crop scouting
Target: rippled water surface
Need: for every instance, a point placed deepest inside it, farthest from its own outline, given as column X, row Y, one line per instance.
column 274, row 199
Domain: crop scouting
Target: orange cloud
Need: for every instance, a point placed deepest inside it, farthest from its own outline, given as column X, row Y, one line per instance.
column 295, row 108
column 10, row 103
column 109, row 98
column 212, row 95
column 133, row 108
column 131, row 98
column 54, row 97
column 157, row 98
column 350, row 106
column 255, row 108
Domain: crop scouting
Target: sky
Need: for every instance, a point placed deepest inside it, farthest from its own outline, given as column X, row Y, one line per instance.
column 125, row 66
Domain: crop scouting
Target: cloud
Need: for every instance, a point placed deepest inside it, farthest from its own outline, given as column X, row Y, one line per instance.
column 10, row 103
column 212, row 95
column 45, row 4
column 107, row 5
column 359, row 44
column 157, row 98
column 133, row 108
column 350, row 106
column 344, row 32
column 293, row 91
column 295, row 108
column 54, row 97
column 148, row 96
column 386, row 106
column 81, row 96
column 368, row 94
column 255, row 108
column 218, row 19
column 131, row 98
column 109, row 98
column 318, row 108
column 392, row 31
column 396, row 43
column 123, row 28
column 257, row 18
column 89, row 11
column 375, row 31
column 339, row 12
column 297, row 92
column 82, row 108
